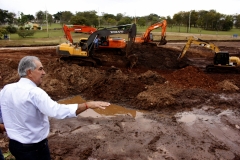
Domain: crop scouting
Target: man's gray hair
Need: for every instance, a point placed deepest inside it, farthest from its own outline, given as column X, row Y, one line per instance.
column 25, row 64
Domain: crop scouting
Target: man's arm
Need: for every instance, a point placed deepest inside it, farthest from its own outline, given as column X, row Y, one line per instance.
column 2, row 128
column 92, row 104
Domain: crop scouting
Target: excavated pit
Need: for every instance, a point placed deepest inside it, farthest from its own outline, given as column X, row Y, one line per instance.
column 190, row 114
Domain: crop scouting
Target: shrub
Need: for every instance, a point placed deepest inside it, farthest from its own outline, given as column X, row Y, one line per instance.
column 3, row 32
column 11, row 29
column 25, row 33
column 21, row 28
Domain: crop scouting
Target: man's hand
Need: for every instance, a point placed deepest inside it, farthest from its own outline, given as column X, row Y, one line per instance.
column 91, row 104
column 97, row 104
column 2, row 128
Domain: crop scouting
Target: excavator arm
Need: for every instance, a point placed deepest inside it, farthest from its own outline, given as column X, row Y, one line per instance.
column 76, row 28
column 200, row 42
column 146, row 36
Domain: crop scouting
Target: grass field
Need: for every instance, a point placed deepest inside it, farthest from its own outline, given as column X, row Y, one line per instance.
column 53, row 35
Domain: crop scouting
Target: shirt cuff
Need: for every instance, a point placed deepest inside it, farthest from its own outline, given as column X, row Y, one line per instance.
column 73, row 108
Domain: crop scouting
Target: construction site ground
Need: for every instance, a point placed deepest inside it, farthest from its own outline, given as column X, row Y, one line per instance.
column 172, row 109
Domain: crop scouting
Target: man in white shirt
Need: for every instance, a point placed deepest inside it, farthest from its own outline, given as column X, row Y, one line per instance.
column 2, row 130
column 25, row 110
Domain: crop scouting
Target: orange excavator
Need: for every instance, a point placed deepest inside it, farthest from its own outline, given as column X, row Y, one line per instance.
column 147, row 36
column 104, row 41
column 83, row 51
column 76, row 28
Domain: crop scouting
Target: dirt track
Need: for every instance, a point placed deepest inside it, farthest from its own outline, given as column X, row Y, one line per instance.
column 190, row 114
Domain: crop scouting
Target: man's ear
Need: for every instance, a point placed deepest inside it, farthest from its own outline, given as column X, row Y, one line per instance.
column 29, row 73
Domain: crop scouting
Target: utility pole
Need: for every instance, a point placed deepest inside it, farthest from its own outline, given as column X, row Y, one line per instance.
column 98, row 19
column 47, row 24
column 189, row 21
column 135, row 18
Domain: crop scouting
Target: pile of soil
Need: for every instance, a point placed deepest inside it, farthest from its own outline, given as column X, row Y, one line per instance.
column 157, row 83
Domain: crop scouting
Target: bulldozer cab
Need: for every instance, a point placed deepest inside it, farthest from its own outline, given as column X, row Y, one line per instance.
column 221, row 58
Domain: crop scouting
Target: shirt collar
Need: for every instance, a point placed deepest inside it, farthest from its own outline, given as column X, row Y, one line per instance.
column 27, row 81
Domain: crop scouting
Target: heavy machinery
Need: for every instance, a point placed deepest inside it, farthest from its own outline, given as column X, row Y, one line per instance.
column 147, row 37
column 222, row 60
column 104, row 41
column 76, row 28
column 83, row 51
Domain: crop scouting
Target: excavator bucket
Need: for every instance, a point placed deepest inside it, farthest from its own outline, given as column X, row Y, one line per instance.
column 163, row 41
column 131, row 37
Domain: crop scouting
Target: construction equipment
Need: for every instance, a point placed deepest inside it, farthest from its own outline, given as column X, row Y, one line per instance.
column 84, row 49
column 147, row 37
column 222, row 60
column 104, row 41
column 76, row 28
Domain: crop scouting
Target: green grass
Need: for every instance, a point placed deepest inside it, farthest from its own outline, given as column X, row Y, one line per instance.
column 54, row 35
column 172, row 29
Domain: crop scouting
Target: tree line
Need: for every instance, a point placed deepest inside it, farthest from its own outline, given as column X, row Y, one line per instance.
column 207, row 20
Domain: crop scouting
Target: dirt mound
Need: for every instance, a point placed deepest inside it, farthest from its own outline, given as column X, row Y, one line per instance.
column 192, row 77
column 227, row 85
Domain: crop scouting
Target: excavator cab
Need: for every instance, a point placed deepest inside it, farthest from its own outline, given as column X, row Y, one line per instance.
column 221, row 58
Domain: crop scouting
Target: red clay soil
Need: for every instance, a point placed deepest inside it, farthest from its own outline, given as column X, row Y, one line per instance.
column 168, row 89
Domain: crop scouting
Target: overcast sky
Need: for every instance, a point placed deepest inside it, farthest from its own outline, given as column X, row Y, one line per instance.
column 127, row 7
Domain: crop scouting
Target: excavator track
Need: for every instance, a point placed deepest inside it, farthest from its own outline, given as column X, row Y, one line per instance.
column 82, row 61
column 222, row 69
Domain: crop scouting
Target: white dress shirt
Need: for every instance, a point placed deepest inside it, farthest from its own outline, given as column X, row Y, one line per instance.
column 25, row 111
column 1, row 121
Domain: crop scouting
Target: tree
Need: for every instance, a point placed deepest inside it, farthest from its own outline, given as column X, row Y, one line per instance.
column 227, row 23
column 66, row 16
column 178, row 19
column 22, row 19
column 106, row 16
column 170, row 21
column 30, row 17
column 111, row 21
column 119, row 16
column 141, row 21
column 125, row 20
column 3, row 16
column 153, row 18
column 78, row 20
column 57, row 17
column 193, row 18
column 41, row 17
column 49, row 19
column 6, row 17
column 237, row 21
column 89, row 17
